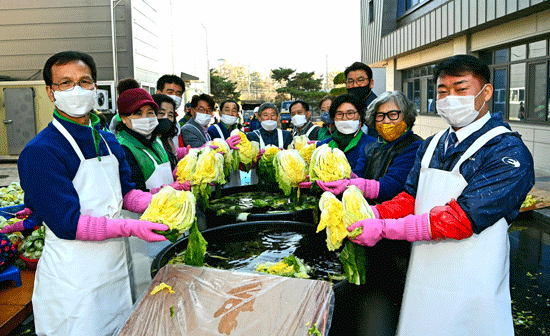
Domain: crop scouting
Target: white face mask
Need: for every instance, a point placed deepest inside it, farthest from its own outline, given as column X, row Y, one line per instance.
column 229, row 120
column 458, row 111
column 76, row 102
column 144, row 126
column 347, row 126
column 299, row 120
column 177, row 100
column 269, row 125
column 203, row 119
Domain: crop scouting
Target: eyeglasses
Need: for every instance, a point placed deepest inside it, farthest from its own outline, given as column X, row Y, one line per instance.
column 350, row 114
column 201, row 109
column 392, row 115
column 68, row 85
column 359, row 81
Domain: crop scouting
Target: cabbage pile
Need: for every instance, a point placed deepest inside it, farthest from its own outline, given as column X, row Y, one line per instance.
column 11, row 195
column 266, row 171
column 336, row 216
column 186, row 166
column 201, row 168
column 174, row 208
column 300, row 143
column 355, row 208
column 248, row 150
column 332, row 219
column 328, row 165
column 290, row 169
column 230, row 159
column 289, row 267
column 209, row 168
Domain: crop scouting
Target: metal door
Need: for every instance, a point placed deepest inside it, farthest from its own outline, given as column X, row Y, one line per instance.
column 20, row 122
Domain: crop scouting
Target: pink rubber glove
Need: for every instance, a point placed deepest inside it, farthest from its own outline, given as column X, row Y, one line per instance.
column 352, row 175
column 16, row 227
column 211, row 146
column 136, row 200
column 101, row 228
column 375, row 211
column 23, row 213
column 175, row 173
column 176, row 185
column 372, row 231
column 181, row 152
column 336, row 187
column 411, row 228
column 304, row 185
column 233, row 141
column 370, row 188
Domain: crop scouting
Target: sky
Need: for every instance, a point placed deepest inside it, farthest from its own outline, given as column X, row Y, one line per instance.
column 295, row 34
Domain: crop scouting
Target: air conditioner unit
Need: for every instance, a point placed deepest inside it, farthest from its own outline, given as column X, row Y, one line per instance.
column 102, row 100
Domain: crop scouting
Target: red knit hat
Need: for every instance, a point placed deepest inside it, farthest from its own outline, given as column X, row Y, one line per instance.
column 131, row 100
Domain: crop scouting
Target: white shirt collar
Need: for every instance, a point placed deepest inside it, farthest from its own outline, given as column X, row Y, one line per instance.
column 466, row 131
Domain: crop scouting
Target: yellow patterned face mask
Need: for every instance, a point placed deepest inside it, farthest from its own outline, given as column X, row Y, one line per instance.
column 391, row 132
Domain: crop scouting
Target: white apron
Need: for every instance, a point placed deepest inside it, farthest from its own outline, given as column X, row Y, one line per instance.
column 253, row 173
column 456, row 287
column 83, row 287
column 234, row 179
column 161, row 175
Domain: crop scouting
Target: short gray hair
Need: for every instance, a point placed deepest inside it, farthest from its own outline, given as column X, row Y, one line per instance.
column 266, row 106
column 397, row 97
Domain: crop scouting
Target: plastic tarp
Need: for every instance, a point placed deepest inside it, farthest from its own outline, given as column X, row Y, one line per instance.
column 210, row 301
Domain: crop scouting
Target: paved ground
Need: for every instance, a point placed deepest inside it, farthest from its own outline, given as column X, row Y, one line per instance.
column 8, row 173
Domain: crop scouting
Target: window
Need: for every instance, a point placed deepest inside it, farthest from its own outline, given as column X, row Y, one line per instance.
column 419, row 88
column 537, row 49
column 521, row 81
column 537, row 104
column 371, row 11
column 405, row 5
column 500, row 79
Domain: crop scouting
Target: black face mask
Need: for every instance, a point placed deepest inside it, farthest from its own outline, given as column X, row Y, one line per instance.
column 164, row 128
column 360, row 93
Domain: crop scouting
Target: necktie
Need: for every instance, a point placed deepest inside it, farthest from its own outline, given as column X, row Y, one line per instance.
column 451, row 140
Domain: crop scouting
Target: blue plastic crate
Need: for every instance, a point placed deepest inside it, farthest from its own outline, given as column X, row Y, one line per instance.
column 9, row 212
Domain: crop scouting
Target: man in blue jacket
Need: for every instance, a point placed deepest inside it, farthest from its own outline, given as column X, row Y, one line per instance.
column 466, row 185
column 76, row 180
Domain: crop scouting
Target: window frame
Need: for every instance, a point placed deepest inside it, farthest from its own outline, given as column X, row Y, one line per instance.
column 528, row 62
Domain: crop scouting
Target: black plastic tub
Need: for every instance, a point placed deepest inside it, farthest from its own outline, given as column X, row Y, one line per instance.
column 215, row 220
column 311, row 248
column 270, row 240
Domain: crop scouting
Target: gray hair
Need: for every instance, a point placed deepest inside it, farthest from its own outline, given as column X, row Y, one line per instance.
column 397, row 97
column 266, row 106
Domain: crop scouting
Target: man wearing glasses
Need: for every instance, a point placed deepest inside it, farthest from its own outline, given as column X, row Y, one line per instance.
column 195, row 132
column 359, row 83
column 76, row 179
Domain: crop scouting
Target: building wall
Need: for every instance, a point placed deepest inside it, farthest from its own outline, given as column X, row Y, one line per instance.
column 535, row 136
column 32, row 31
column 433, row 26
column 42, row 105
